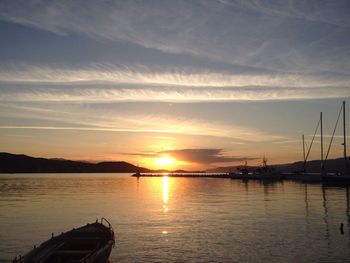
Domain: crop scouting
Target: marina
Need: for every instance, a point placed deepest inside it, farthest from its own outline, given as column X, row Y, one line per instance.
column 269, row 173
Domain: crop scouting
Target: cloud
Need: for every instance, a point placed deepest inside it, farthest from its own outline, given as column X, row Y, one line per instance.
column 77, row 128
column 107, row 82
column 199, row 156
column 86, row 118
column 167, row 94
column 153, row 75
column 329, row 12
column 288, row 36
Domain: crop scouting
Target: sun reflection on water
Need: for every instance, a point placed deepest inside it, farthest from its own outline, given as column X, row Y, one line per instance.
column 165, row 185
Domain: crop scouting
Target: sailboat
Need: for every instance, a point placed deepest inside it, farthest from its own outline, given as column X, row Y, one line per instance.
column 343, row 177
column 325, row 176
column 303, row 175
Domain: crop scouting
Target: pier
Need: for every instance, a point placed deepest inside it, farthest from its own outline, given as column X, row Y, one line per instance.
column 189, row 175
column 299, row 177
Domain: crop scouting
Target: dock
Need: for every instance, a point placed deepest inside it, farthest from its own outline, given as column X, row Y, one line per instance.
column 189, row 175
column 299, row 177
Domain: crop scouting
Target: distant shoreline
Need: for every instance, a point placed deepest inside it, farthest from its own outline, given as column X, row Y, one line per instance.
column 19, row 163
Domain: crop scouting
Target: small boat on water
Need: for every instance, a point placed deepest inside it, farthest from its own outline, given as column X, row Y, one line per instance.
column 91, row 243
column 137, row 174
column 263, row 173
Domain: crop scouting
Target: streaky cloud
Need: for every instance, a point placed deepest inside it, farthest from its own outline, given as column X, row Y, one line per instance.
column 107, row 82
column 143, row 93
column 78, row 117
column 83, row 128
column 107, row 73
column 276, row 35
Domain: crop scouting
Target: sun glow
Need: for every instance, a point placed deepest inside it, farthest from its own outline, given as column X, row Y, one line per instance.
column 164, row 161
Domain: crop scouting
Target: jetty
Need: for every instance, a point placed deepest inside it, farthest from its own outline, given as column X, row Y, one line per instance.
column 189, row 175
column 298, row 177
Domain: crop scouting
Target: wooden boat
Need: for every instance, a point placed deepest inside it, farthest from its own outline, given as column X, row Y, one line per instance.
column 91, row 243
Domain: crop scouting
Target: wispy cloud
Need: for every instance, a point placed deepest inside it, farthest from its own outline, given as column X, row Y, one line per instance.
column 169, row 94
column 146, row 75
column 83, row 128
column 107, row 82
column 77, row 117
column 329, row 12
column 265, row 34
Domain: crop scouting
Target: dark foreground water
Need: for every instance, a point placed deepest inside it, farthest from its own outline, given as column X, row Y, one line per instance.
column 180, row 219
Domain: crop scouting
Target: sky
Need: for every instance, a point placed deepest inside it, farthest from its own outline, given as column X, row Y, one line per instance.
column 206, row 83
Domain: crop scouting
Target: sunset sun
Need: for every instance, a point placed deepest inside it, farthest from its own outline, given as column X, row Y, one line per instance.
column 164, row 161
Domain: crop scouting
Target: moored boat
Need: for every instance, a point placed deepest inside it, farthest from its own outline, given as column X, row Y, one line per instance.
column 263, row 173
column 137, row 174
column 258, row 176
column 326, row 176
column 91, row 243
column 336, row 178
column 264, row 176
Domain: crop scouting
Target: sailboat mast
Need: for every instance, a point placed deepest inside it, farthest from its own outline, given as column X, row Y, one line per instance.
column 344, row 142
column 304, row 152
column 321, row 125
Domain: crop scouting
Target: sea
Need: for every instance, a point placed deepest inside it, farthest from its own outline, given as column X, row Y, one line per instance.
column 164, row 219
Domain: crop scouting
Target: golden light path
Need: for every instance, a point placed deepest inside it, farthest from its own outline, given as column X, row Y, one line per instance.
column 165, row 186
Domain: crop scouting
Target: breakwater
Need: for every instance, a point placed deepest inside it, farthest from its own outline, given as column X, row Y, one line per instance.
column 189, row 175
column 301, row 177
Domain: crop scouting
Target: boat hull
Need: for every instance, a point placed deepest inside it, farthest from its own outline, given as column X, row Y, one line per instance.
column 257, row 176
column 92, row 243
column 343, row 179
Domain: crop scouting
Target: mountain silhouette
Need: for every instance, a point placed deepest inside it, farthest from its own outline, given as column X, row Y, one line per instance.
column 19, row 163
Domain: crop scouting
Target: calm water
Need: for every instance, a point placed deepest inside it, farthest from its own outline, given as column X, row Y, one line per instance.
column 180, row 219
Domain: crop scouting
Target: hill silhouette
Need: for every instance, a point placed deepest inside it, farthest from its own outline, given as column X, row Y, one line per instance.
column 19, row 163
